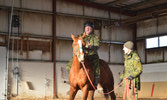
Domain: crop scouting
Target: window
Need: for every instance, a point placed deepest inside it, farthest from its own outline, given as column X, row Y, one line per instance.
column 152, row 42
column 156, row 42
column 162, row 41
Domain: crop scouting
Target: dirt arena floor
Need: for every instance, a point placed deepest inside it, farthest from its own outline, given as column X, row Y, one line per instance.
column 95, row 99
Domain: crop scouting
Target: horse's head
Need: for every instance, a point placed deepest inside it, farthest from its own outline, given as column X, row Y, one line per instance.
column 78, row 47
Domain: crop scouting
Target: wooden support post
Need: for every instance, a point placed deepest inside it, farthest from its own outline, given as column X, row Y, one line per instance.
column 50, row 47
column 21, row 45
column 28, row 47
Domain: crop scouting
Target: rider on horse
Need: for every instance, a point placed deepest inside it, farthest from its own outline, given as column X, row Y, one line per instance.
column 92, row 44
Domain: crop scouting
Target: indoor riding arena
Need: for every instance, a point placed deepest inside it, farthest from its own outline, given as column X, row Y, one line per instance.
column 36, row 45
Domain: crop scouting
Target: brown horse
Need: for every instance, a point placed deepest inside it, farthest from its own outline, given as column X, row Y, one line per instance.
column 78, row 79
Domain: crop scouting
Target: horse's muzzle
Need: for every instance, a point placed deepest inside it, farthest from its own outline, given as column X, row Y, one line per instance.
column 81, row 58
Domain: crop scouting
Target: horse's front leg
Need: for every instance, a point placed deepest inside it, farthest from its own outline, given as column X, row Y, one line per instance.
column 73, row 92
column 91, row 94
column 85, row 92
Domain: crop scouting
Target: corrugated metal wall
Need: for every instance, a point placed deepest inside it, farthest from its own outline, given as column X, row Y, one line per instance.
column 36, row 21
column 154, row 73
column 151, row 28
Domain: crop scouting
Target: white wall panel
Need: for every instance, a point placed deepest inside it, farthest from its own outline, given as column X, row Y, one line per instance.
column 3, row 21
column 154, row 72
column 2, row 72
column 34, row 23
column 35, row 73
column 67, row 25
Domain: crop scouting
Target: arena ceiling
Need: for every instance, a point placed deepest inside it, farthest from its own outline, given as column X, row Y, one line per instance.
column 137, row 9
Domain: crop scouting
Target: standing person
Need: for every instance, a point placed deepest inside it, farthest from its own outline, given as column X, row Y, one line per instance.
column 92, row 44
column 132, row 71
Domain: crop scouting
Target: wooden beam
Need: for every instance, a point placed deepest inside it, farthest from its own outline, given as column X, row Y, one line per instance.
column 146, row 4
column 116, row 2
column 144, row 16
column 28, row 47
column 98, row 6
column 50, row 49
column 21, row 45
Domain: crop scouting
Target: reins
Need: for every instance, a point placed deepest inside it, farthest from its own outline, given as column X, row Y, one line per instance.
column 126, row 92
column 94, row 86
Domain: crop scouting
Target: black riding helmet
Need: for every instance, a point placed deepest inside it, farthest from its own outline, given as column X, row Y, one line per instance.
column 88, row 23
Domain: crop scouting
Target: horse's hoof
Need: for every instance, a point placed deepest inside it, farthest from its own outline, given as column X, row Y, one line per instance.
column 68, row 92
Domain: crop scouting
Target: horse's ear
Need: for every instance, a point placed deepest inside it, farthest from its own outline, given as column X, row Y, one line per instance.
column 72, row 36
column 84, row 34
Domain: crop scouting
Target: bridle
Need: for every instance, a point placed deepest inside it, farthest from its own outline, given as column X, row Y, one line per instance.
column 80, row 56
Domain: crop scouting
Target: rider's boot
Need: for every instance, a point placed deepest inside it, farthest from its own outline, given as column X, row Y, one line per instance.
column 97, row 84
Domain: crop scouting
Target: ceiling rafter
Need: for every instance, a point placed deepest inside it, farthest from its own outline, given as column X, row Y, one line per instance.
column 151, row 9
column 143, row 4
column 144, row 16
column 98, row 6
column 115, row 2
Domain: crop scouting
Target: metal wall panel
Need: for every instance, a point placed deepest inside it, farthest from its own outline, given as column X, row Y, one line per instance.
column 117, row 16
column 116, row 54
column 146, row 28
column 9, row 3
column 67, row 25
column 152, row 27
column 123, row 33
column 141, row 50
column 162, row 24
column 45, row 5
column 89, row 11
column 35, row 23
column 2, row 72
column 154, row 56
column 165, row 55
column 3, row 21
column 63, row 50
column 68, row 8
column 104, row 52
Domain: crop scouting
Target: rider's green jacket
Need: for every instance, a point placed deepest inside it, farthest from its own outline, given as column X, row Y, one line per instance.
column 133, row 67
column 95, row 43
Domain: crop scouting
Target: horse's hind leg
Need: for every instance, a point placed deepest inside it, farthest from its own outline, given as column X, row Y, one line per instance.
column 72, row 94
column 91, row 94
column 105, row 95
column 112, row 95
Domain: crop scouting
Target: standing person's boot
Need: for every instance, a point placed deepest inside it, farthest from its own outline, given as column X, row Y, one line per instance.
column 97, row 84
